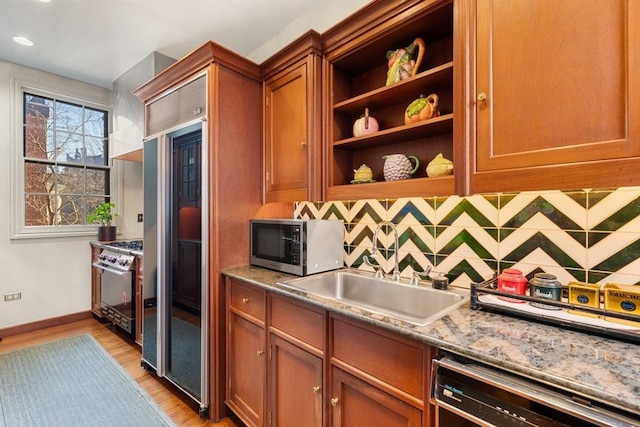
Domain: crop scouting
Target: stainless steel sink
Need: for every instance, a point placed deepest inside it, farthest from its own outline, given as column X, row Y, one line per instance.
column 418, row 305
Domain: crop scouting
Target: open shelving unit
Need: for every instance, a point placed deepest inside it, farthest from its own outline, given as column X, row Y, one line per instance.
column 356, row 75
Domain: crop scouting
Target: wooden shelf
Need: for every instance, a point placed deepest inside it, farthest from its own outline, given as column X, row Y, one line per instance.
column 432, row 127
column 432, row 80
column 438, row 186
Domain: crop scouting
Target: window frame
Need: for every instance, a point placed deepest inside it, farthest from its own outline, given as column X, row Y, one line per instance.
column 69, row 91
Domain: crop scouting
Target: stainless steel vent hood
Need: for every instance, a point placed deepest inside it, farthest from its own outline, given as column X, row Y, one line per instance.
column 125, row 142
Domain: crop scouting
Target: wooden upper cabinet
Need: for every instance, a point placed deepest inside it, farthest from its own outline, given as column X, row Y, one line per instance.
column 292, row 122
column 556, row 97
column 355, row 73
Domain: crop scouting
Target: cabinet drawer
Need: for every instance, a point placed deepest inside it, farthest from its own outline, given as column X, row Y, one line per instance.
column 298, row 321
column 247, row 299
column 398, row 363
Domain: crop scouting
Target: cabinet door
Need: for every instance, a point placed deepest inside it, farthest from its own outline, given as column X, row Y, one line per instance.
column 287, row 136
column 556, row 95
column 357, row 403
column 295, row 385
column 246, row 370
column 96, row 282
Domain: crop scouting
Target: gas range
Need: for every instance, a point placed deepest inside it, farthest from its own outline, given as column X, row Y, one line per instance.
column 114, row 261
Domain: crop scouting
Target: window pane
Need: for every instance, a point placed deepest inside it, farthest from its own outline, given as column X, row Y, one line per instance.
column 69, row 147
column 71, row 210
column 70, row 180
column 38, row 143
column 68, row 117
column 96, row 151
column 38, row 178
column 96, row 181
column 38, row 111
column 95, row 122
column 39, row 209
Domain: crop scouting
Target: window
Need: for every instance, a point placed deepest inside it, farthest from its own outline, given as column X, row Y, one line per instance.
column 66, row 161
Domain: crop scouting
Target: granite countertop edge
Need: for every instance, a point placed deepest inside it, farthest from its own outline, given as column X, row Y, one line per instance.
column 510, row 348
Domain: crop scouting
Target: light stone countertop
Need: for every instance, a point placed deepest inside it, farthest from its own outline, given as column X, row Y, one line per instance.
column 599, row 368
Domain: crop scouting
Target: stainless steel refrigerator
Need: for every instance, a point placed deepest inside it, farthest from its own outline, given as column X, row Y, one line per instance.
column 175, row 321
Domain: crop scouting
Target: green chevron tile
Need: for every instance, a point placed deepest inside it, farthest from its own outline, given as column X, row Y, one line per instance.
column 463, row 238
column 540, row 241
column 409, row 261
column 593, row 238
column 620, row 217
column 463, row 267
column 365, row 235
column 409, row 235
column 539, row 205
column 372, row 209
column 335, row 210
column 466, row 206
column 623, row 257
column 580, row 197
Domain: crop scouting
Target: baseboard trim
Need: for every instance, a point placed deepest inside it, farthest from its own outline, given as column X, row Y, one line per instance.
column 46, row 323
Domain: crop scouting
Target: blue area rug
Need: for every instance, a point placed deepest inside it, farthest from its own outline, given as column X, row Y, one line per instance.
column 72, row 382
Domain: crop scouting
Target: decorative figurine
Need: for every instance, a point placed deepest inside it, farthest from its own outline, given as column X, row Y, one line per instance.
column 401, row 63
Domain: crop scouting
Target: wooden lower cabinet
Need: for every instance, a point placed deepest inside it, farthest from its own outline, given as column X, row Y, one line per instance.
column 355, row 402
column 246, row 370
column 246, row 358
column 320, row 368
column 296, row 385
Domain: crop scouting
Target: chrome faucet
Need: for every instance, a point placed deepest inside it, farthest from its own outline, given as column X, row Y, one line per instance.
column 396, row 268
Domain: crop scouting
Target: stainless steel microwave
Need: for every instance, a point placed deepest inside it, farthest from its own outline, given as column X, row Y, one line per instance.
column 297, row 246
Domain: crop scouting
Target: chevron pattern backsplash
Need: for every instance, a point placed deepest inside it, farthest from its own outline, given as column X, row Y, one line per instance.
column 588, row 236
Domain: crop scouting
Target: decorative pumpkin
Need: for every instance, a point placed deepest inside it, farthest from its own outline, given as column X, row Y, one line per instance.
column 401, row 63
column 439, row 166
column 422, row 109
column 365, row 125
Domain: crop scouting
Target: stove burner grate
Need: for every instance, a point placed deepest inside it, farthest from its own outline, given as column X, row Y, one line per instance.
column 133, row 245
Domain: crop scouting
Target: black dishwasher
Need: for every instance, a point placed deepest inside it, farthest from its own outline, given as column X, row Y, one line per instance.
column 469, row 394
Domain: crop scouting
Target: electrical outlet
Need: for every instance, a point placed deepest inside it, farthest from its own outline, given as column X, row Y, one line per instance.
column 139, row 217
column 12, row 296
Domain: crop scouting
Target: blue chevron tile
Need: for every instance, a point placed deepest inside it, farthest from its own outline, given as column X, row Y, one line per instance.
column 411, row 211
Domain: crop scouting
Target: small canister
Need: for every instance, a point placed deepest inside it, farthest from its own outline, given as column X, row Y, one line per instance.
column 512, row 281
column 545, row 285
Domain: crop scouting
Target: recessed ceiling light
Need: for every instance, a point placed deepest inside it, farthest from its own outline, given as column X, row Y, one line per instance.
column 22, row 40
column 45, row 1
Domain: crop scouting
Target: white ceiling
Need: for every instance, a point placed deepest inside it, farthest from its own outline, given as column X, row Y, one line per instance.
column 96, row 41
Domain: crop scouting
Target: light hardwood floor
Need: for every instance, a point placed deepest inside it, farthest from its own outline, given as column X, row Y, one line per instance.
column 180, row 408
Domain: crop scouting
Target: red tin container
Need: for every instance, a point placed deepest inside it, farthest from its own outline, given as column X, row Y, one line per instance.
column 512, row 281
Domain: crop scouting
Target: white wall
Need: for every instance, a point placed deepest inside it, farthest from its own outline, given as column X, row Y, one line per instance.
column 53, row 274
column 323, row 16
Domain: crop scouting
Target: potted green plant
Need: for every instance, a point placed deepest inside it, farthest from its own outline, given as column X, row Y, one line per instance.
column 103, row 215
